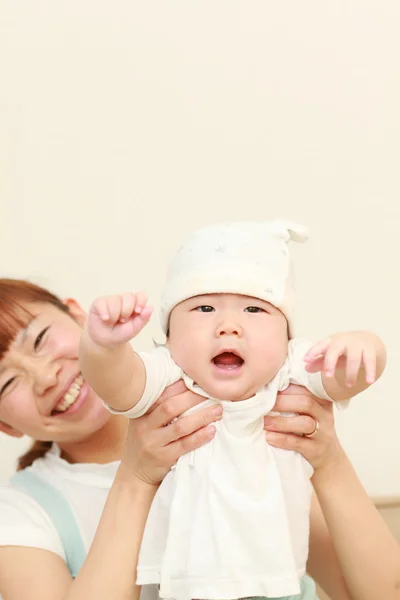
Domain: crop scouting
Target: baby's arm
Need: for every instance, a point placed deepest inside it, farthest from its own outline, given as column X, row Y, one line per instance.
column 349, row 362
column 108, row 362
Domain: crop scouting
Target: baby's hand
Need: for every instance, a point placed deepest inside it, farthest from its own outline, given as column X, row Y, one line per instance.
column 115, row 320
column 349, row 352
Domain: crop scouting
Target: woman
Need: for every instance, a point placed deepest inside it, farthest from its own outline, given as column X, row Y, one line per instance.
column 42, row 395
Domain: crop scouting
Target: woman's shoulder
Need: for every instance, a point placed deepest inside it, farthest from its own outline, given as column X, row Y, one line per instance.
column 68, row 477
column 32, row 501
column 23, row 521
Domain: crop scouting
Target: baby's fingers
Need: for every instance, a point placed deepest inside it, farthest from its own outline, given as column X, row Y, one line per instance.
column 114, row 307
column 141, row 320
column 128, row 302
column 100, row 308
column 369, row 362
column 332, row 355
column 315, row 366
column 319, row 349
column 141, row 301
column 353, row 364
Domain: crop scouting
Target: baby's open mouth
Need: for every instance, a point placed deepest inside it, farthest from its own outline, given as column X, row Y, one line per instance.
column 228, row 360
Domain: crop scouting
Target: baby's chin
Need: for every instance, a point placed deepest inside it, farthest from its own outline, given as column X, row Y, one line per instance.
column 228, row 391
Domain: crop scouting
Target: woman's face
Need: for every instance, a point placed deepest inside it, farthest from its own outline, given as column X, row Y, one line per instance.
column 42, row 393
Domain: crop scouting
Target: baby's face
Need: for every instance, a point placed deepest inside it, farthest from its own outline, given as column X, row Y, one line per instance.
column 230, row 345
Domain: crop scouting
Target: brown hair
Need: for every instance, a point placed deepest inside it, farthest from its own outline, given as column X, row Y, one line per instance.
column 37, row 450
column 14, row 295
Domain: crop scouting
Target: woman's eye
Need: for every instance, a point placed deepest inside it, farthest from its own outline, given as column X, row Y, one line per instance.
column 40, row 337
column 204, row 308
column 6, row 385
column 253, row 309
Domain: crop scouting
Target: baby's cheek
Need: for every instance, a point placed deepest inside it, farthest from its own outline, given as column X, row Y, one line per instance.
column 269, row 359
column 184, row 355
column 194, row 370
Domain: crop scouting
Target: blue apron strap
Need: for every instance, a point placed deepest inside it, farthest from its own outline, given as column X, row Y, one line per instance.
column 59, row 511
column 308, row 592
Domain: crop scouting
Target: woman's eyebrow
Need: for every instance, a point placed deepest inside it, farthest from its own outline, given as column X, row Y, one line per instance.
column 21, row 337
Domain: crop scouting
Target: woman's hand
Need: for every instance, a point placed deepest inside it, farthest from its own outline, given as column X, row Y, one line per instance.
column 291, row 432
column 155, row 441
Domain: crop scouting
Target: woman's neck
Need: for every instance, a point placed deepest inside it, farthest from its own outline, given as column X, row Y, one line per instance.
column 106, row 445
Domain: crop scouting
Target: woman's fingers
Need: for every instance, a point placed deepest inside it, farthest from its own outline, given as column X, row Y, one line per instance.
column 294, row 390
column 189, row 424
column 172, row 390
column 290, row 441
column 160, row 437
column 172, row 407
column 191, row 442
column 290, row 433
column 168, row 443
column 299, row 425
column 303, row 403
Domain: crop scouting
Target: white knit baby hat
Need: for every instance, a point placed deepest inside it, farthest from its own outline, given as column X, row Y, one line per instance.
column 249, row 258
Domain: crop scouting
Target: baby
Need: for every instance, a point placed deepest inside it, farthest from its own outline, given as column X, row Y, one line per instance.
column 231, row 520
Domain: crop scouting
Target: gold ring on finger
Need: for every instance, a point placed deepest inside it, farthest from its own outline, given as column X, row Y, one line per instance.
column 315, row 430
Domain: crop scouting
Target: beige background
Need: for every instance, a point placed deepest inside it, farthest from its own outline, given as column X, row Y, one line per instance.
column 125, row 124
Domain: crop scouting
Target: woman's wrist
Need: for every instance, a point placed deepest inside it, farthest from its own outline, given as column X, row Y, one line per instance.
column 332, row 468
column 133, row 482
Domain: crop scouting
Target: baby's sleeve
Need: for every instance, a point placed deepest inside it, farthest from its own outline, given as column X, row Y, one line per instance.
column 161, row 371
column 297, row 372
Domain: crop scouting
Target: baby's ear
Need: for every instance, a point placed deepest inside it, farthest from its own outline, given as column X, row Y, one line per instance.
column 288, row 231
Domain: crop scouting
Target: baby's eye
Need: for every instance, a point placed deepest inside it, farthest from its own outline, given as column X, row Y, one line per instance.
column 204, row 308
column 253, row 309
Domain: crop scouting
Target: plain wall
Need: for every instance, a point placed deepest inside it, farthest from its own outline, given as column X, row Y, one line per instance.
column 124, row 125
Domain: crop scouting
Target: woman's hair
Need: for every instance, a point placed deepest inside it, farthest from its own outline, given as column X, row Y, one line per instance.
column 15, row 294
column 37, row 450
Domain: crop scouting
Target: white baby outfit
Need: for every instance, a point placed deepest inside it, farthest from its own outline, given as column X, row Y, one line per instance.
column 231, row 519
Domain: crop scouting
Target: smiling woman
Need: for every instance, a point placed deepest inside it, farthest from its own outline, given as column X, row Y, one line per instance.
column 39, row 367
column 15, row 318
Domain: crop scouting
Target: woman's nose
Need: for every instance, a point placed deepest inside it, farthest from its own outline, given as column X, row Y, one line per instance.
column 45, row 377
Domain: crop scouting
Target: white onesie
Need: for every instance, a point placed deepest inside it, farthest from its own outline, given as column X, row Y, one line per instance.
column 231, row 520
